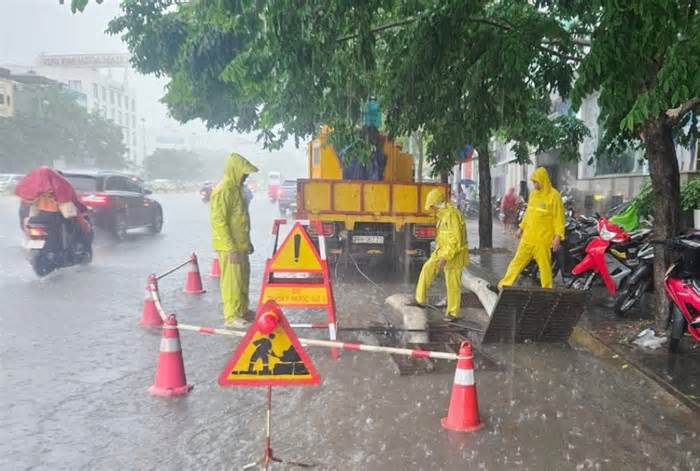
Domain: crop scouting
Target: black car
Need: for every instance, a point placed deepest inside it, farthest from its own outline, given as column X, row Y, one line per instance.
column 118, row 201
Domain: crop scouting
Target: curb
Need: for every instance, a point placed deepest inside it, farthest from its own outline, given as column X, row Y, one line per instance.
column 592, row 342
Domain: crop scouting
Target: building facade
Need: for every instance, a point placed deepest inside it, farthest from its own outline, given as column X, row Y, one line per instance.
column 595, row 184
column 7, row 100
column 91, row 75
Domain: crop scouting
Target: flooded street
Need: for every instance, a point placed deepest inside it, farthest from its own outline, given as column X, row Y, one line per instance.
column 74, row 369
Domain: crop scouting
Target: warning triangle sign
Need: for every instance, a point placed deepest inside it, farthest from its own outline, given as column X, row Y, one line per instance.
column 297, row 253
column 274, row 359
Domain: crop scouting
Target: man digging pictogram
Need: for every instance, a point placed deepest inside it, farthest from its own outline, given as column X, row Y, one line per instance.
column 263, row 351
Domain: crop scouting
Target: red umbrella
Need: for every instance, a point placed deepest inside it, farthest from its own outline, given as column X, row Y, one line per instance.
column 45, row 180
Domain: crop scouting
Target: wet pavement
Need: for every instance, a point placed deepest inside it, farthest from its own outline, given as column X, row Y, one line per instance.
column 74, row 369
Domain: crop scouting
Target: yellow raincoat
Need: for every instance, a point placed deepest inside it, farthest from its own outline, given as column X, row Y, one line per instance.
column 544, row 219
column 230, row 228
column 450, row 245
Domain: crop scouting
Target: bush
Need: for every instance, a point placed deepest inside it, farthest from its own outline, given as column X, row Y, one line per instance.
column 690, row 195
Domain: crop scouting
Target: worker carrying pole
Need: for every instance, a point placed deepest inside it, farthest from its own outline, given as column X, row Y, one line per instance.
column 451, row 254
column 540, row 232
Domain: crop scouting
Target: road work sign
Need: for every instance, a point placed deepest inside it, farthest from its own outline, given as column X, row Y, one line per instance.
column 269, row 359
column 296, row 254
column 297, row 275
column 294, row 295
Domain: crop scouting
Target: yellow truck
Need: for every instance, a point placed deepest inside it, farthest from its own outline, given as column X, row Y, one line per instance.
column 382, row 220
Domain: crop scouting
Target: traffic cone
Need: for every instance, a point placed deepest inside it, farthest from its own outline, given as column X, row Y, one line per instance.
column 463, row 414
column 150, row 317
column 215, row 268
column 170, row 371
column 193, row 284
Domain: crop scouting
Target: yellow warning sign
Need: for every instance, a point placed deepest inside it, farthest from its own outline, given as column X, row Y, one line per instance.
column 296, row 253
column 298, row 295
column 262, row 359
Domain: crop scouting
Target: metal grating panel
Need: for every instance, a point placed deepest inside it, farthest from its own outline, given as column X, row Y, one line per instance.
column 535, row 314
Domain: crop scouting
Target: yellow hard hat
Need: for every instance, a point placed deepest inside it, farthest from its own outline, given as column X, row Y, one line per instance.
column 435, row 197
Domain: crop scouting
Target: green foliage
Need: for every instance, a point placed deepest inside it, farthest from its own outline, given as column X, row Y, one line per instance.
column 173, row 164
column 79, row 5
column 283, row 68
column 690, row 195
column 644, row 60
column 350, row 145
column 645, row 200
column 51, row 126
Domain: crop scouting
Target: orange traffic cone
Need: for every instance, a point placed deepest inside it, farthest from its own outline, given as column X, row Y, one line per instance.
column 170, row 372
column 150, row 317
column 193, row 284
column 215, row 268
column 463, row 414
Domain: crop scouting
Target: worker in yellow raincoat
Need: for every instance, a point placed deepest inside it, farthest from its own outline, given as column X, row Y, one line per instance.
column 451, row 254
column 230, row 228
column 540, row 232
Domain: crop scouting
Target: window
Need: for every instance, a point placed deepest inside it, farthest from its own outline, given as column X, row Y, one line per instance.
column 75, row 85
column 83, row 183
column 133, row 105
column 104, row 92
column 133, row 184
column 111, row 96
column 120, row 118
column 116, row 184
column 95, row 91
column 133, row 121
column 2, row 99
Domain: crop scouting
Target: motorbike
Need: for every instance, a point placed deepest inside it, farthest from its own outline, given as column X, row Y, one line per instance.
column 54, row 242
column 205, row 193
column 682, row 286
column 639, row 281
column 610, row 256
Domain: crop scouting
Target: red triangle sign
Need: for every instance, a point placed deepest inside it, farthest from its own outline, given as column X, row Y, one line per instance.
column 297, row 253
column 269, row 359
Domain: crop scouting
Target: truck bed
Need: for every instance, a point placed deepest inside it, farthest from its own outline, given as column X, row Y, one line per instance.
column 352, row 201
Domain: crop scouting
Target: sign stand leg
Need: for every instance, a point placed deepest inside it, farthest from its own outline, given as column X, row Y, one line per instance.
column 268, row 456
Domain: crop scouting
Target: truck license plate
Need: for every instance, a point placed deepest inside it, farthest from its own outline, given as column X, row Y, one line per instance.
column 367, row 239
column 34, row 244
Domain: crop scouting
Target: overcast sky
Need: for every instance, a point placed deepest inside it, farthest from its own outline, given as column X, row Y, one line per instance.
column 30, row 27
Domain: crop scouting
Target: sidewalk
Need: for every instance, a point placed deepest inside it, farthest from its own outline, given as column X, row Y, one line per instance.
column 604, row 333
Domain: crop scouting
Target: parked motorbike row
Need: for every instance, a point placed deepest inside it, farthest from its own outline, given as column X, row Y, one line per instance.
column 596, row 251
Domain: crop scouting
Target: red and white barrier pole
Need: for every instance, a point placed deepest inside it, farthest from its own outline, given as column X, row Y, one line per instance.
column 411, row 352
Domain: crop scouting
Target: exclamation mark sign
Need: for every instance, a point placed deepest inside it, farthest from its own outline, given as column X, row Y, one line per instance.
column 297, row 246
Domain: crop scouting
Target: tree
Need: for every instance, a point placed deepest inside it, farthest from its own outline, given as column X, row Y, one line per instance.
column 50, row 125
column 173, row 164
column 283, row 68
column 645, row 61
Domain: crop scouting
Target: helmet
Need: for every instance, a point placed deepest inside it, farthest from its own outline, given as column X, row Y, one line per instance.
column 435, row 197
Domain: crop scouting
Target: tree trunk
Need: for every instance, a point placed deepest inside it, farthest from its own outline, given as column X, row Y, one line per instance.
column 665, row 182
column 485, row 212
